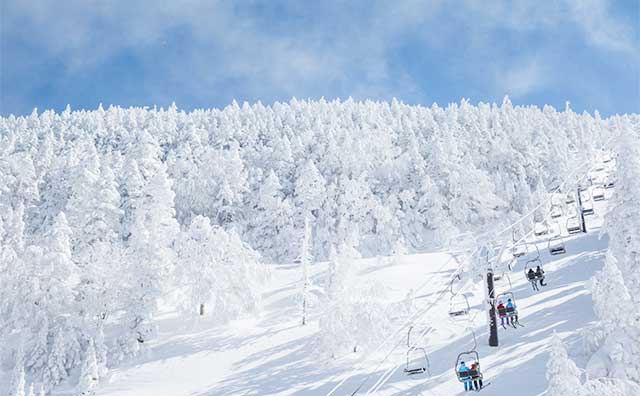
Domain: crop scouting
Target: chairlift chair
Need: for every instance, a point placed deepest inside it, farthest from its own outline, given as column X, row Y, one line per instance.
column 468, row 356
column 587, row 204
column 532, row 264
column 570, row 198
column 504, row 297
column 573, row 225
column 587, row 208
column 519, row 249
column 556, row 211
column 598, row 193
column 609, row 182
column 556, row 245
column 420, row 355
column 540, row 228
column 459, row 307
column 416, row 354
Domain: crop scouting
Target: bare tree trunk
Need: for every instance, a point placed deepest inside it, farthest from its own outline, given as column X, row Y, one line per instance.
column 201, row 309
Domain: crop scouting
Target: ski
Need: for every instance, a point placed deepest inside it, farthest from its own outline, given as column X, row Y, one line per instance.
column 483, row 386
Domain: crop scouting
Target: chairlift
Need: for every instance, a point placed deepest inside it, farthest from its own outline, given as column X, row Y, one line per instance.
column 503, row 276
column 533, row 264
column 505, row 297
column 519, row 249
column 573, row 225
column 606, row 158
column 459, row 307
column 469, row 356
column 540, row 228
column 587, row 208
column 598, row 193
column 417, row 359
column 609, row 182
column 556, row 211
column 587, row 204
column 556, row 245
column 570, row 198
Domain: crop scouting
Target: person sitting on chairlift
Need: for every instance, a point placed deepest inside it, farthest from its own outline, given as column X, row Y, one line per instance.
column 540, row 275
column 502, row 313
column 511, row 308
column 464, row 375
column 532, row 278
column 477, row 380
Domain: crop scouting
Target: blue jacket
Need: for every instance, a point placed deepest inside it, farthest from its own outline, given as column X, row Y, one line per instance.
column 510, row 305
column 463, row 369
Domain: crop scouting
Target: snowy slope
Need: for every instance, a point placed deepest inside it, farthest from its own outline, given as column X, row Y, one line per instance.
column 274, row 355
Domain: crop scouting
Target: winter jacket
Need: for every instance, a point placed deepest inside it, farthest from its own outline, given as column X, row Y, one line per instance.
column 462, row 369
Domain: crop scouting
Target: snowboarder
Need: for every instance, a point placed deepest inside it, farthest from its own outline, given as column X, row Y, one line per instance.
column 540, row 275
column 532, row 278
column 502, row 313
column 477, row 380
column 464, row 375
column 511, row 308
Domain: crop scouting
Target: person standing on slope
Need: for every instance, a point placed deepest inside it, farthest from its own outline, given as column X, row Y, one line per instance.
column 463, row 370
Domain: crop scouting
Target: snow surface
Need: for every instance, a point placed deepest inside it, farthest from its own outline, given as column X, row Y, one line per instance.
column 274, row 355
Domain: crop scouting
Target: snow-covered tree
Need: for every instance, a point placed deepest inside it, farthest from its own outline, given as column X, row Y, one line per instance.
column 562, row 373
column 197, row 273
column 309, row 188
column 89, row 373
column 355, row 316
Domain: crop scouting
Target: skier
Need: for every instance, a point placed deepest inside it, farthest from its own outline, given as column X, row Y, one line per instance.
column 464, row 375
column 540, row 275
column 511, row 308
column 477, row 380
column 532, row 278
column 502, row 313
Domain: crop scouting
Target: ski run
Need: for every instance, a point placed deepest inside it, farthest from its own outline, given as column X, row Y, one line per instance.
column 320, row 249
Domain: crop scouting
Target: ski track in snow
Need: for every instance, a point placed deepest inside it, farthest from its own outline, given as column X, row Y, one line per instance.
column 275, row 355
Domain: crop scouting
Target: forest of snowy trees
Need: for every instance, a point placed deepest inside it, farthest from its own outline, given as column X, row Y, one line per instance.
column 612, row 345
column 104, row 213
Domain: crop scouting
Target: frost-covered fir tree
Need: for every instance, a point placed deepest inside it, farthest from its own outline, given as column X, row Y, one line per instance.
column 150, row 254
column 354, row 315
column 611, row 299
column 89, row 373
column 216, row 275
column 562, row 373
column 309, row 188
column 197, row 273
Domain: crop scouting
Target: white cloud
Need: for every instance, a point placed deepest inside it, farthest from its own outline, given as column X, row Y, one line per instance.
column 349, row 51
column 522, row 78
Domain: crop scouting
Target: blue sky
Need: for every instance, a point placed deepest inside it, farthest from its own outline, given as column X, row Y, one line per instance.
column 204, row 54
